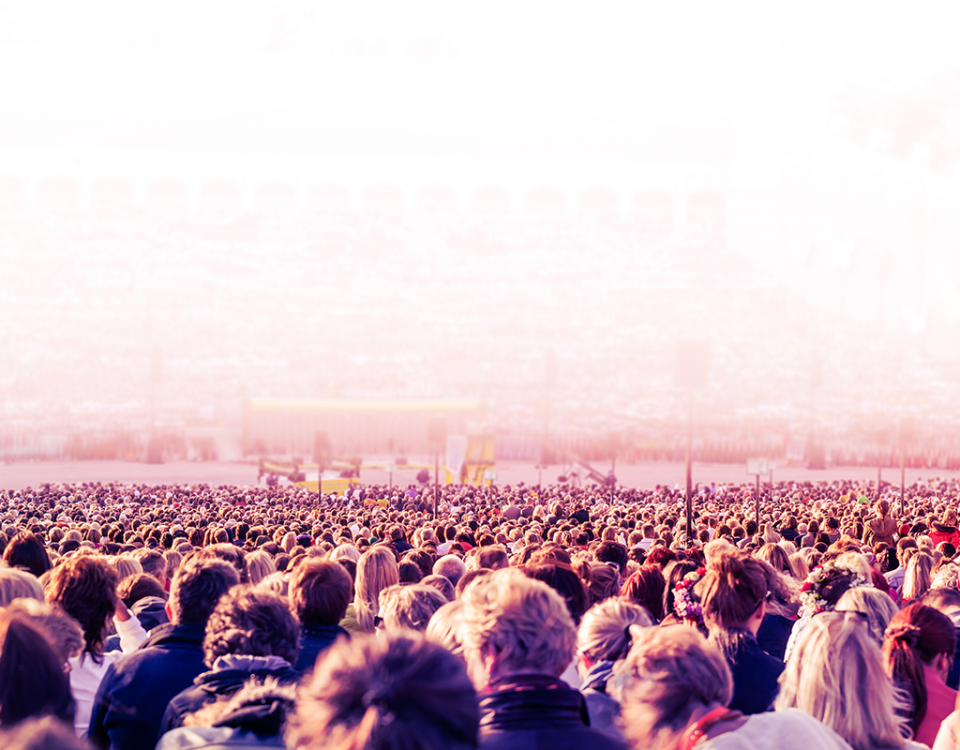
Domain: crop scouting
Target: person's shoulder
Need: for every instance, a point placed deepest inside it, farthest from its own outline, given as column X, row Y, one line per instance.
column 790, row 729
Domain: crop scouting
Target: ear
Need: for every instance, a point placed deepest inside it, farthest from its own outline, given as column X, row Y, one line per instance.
column 169, row 610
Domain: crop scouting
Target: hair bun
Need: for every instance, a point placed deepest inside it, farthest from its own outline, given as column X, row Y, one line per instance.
column 907, row 633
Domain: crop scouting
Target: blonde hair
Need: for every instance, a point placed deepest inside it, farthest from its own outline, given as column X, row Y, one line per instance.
column 604, row 632
column 670, row 671
column 916, row 581
column 173, row 559
column 444, row 628
column 876, row 607
column 856, row 562
column 946, row 577
column 409, row 607
column 125, row 567
column 18, row 584
column 344, row 552
column 524, row 622
column 259, row 566
column 799, row 566
column 836, row 675
column 376, row 571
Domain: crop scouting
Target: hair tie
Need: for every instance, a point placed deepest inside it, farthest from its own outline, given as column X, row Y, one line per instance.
column 907, row 633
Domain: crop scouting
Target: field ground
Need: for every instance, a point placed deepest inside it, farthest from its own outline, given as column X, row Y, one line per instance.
column 647, row 476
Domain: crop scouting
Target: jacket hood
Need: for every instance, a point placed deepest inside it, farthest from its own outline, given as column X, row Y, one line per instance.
column 260, row 706
column 944, row 529
column 151, row 611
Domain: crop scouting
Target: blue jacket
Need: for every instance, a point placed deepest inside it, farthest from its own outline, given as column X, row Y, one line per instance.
column 314, row 640
column 136, row 688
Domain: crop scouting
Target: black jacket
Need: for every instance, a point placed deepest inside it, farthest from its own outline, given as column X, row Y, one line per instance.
column 755, row 677
column 314, row 640
column 537, row 711
column 228, row 675
column 137, row 687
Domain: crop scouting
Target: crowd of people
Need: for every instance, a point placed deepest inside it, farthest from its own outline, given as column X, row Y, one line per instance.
column 187, row 617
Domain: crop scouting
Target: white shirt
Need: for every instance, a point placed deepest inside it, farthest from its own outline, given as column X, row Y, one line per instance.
column 784, row 730
column 86, row 674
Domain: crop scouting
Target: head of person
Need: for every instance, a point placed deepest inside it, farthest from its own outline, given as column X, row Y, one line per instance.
column 450, row 567
column 249, row 621
column 18, row 584
column 917, row 579
column 646, row 587
column 562, row 579
column 196, row 589
column 673, row 574
column 732, row 595
column 153, row 563
column 835, row 674
column 670, row 672
column 33, row 681
column 918, row 636
column 883, row 508
column 140, row 586
column 320, row 592
column 613, row 552
column 395, row 691
column 494, row 558
column 26, row 551
column 409, row 607
column 444, row 628
column 875, row 607
column 441, row 584
column 512, row 625
column 604, row 634
column 61, row 629
column 85, row 587
column 376, row 571
column 259, row 566
column 776, row 556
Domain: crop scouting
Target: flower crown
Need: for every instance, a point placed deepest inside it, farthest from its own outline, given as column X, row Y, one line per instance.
column 686, row 604
column 811, row 593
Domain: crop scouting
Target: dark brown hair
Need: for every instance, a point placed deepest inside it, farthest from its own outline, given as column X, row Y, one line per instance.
column 645, row 587
column 32, row 680
column 252, row 622
column 86, row 588
column 197, row 586
column 320, row 592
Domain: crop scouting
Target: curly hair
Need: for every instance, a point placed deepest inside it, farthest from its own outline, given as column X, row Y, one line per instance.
column 85, row 587
column 252, row 622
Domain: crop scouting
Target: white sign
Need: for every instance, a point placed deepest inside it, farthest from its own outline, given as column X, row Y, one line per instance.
column 758, row 466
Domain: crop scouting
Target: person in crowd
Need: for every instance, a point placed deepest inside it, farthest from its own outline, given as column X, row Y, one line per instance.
column 409, row 607
column 84, row 586
column 916, row 581
column 27, row 552
column 518, row 639
column 946, row 530
column 918, row 652
column 394, row 691
column 676, row 694
column 733, row 595
column 62, row 631
column 251, row 635
column 134, row 692
column 17, row 584
column 873, row 606
column 441, row 584
column 820, row 593
column 376, row 571
column 646, row 587
column 32, row 679
column 603, row 639
column 836, row 675
column 450, row 567
column 881, row 528
column 444, row 628
column 319, row 594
